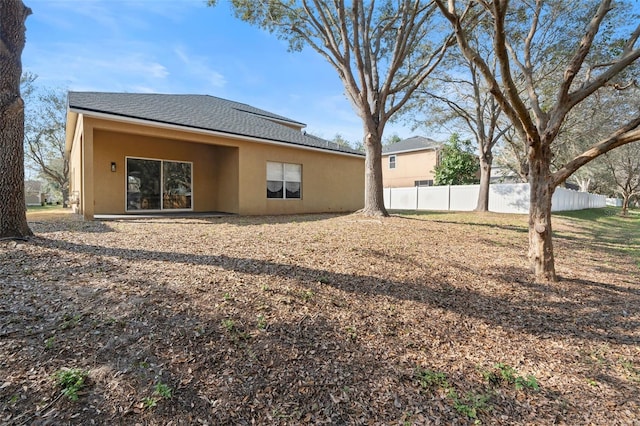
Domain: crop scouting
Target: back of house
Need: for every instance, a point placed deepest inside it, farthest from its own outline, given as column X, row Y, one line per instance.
column 155, row 153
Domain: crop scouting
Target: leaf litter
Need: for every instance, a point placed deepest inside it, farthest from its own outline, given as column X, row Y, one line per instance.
column 315, row 319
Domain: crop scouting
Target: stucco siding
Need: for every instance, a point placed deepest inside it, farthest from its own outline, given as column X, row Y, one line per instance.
column 229, row 175
column 226, row 168
column 110, row 187
column 410, row 167
column 75, row 173
column 330, row 183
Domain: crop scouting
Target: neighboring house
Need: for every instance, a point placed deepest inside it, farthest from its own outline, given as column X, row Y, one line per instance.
column 138, row 153
column 503, row 174
column 33, row 195
column 410, row 162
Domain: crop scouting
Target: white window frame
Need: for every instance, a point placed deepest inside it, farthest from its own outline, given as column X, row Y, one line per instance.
column 284, row 180
column 162, row 209
column 392, row 161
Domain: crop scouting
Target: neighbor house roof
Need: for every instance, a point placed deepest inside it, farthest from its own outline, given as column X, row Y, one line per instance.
column 200, row 112
column 414, row 143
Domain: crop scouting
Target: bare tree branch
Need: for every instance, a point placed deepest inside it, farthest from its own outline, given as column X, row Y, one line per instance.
column 625, row 134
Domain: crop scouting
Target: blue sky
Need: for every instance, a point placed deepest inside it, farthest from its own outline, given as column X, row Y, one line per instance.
column 183, row 46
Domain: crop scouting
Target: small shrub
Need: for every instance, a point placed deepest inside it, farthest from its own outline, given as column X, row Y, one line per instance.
column 430, row 379
column 71, row 381
column 149, row 402
column 162, row 390
column 471, row 404
column 503, row 373
column 529, row 382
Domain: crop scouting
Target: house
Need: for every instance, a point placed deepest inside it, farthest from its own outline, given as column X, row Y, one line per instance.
column 410, row 162
column 503, row 174
column 33, row 194
column 138, row 153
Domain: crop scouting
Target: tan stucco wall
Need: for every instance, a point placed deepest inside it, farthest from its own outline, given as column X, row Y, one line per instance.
column 229, row 175
column 410, row 167
column 110, row 188
column 330, row 183
column 75, row 170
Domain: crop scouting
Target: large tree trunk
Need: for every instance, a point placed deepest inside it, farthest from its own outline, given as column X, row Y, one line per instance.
column 373, row 190
column 485, row 179
column 541, row 190
column 65, row 196
column 13, row 219
column 625, row 204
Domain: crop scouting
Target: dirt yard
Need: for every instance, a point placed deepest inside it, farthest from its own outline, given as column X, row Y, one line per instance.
column 344, row 320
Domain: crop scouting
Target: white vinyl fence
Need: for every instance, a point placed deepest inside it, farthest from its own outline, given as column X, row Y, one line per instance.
column 503, row 198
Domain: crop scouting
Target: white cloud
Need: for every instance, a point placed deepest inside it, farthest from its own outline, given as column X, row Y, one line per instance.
column 102, row 66
column 199, row 67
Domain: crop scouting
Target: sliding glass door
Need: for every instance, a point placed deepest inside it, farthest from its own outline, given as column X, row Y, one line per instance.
column 158, row 185
column 176, row 178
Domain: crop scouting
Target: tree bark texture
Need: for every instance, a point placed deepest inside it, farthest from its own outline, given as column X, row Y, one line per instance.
column 485, row 180
column 625, row 205
column 541, row 190
column 13, row 219
column 373, row 190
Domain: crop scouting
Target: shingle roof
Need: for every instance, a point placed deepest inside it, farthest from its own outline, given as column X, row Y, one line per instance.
column 414, row 143
column 202, row 112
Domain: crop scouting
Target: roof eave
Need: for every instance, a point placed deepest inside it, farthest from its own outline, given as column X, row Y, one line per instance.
column 70, row 131
column 403, row 151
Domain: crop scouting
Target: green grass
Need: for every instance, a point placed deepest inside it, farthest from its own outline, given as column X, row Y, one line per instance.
column 607, row 227
column 617, row 234
column 606, row 215
column 44, row 208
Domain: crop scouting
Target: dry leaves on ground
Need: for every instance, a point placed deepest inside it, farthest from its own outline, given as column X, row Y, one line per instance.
column 315, row 319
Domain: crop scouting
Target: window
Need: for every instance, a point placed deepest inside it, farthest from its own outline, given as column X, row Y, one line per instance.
column 424, row 182
column 158, row 185
column 392, row 161
column 284, row 180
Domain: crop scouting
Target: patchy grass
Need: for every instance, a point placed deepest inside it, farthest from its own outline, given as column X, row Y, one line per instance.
column 605, row 227
column 415, row 319
column 53, row 213
column 52, row 208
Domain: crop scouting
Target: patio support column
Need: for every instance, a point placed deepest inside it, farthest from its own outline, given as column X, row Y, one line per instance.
column 87, row 197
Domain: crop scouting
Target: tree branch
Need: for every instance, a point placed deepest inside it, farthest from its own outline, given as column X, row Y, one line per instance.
column 581, row 53
column 473, row 56
column 626, row 134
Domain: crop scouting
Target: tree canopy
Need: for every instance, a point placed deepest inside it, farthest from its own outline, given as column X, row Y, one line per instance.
column 457, row 163
column 381, row 51
column 45, row 120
